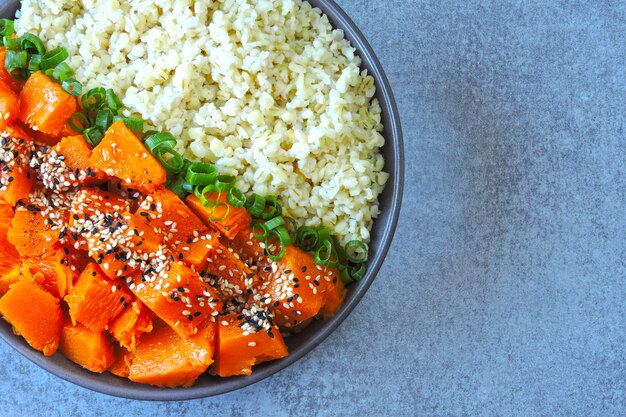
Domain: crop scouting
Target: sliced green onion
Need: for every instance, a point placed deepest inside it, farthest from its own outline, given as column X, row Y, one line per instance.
column 92, row 100
column 255, row 205
column 93, row 135
column 284, row 240
column 172, row 164
column 214, row 218
column 201, row 173
column 358, row 271
column 32, row 44
column 104, row 118
column 79, row 122
column 307, row 238
column 274, row 223
column 225, row 182
column 356, row 251
column 64, row 69
column 113, row 101
column 236, row 197
column 259, row 231
column 16, row 60
column 177, row 186
column 323, row 253
column 12, row 44
column 202, row 191
column 149, row 133
column 344, row 274
column 53, row 58
column 34, row 62
column 73, row 87
column 7, row 27
column 323, row 234
column 133, row 123
column 160, row 140
column 272, row 208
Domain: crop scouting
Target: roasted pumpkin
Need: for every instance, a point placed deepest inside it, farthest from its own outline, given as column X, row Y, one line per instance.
column 50, row 115
column 165, row 359
column 91, row 350
column 34, row 314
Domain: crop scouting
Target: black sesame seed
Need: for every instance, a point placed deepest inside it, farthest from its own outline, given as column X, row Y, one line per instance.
column 303, row 269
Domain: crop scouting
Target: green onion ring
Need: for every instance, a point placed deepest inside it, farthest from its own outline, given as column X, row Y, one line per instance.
column 93, row 135
column 225, row 182
column 274, row 223
column 274, row 208
column 201, row 173
column 15, row 60
column 113, row 101
column 356, row 251
column 174, row 164
column 53, row 58
column 12, row 44
column 93, row 99
column 76, row 118
column 159, row 140
column 260, row 236
column 73, row 87
column 32, row 44
column 215, row 207
column 306, row 234
column 133, row 123
column 255, row 205
column 323, row 253
column 236, row 197
column 7, row 27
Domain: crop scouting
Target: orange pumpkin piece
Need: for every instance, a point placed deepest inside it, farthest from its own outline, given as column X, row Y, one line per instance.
column 9, row 105
column 88, row 203
column 34, row 314
column 53, row 272
column 76, row 153
column 95, row 300
column 123, row 360
column 5, row 77
column 297, row 287
column 122, row 155
column 246, row 246
column 195, row 250
column 334, row 295
column 91, row 350
column 16, row 177
column 9, row 257
column 179, row 298
column 218, row 265
column 134, row 321
column 143, row 240
column 44, row 106
column 231, row 219
column 239, row 347
column 167, row 212
column 31, row 234
column 9, row 278
column 165, row 359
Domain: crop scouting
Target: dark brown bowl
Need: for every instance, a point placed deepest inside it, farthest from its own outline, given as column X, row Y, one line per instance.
column 299, row 344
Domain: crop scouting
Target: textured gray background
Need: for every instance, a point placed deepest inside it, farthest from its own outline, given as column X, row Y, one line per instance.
column 504, row 292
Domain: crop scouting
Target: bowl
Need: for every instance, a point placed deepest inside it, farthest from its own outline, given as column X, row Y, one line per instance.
column 299, row 344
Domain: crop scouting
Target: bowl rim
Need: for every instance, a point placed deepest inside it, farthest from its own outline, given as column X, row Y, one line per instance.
column 393, row 134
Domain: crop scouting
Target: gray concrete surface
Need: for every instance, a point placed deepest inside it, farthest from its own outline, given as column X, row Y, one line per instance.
column 504, row 292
